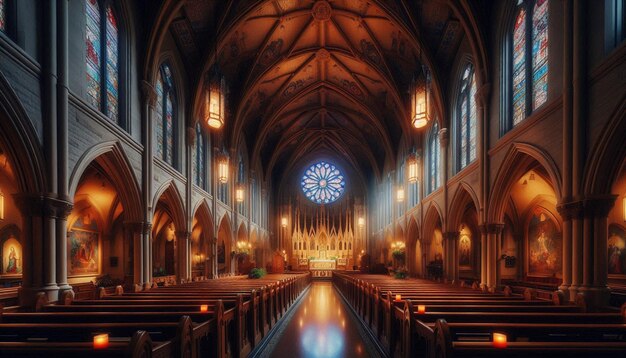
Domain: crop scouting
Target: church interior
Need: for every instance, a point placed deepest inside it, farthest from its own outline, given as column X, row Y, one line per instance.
column 312, row 178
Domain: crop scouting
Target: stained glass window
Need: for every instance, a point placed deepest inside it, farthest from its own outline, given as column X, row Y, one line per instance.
column 102, row 58
column 434, row 159
column 323, row 183
column 540, row 53
column 112, row 65
column 94, row 49
column 466, row 122
column 519, row 68
column 199, row 157
column 3, row 19
column 165, row 116
column 529, row 72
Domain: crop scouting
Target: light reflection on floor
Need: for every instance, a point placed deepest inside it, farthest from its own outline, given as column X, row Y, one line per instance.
column 320, row 328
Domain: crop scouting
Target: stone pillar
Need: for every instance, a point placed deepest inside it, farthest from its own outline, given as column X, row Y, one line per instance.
column 214, row 261
column 483, row 256
column 568, row 211
column 183, row 239
column 492, row 233
column 595, row 259
column 149, row 99
column 577, row 248
column 134, row 233
column 64, row 208
column 452, row 241
column 146, row 239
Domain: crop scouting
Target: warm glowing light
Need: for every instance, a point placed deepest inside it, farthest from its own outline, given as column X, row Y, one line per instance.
column 101, row 341
column 204, row 308
column 398, row 297
column 361, row 221
column 1, row 205
column 222, row 169
column 421, row 309
column 214, row 100
column 239, row 194
column 419, row 104
column 283, row 221
column 412, row 168
column 623, row 203
column 400, row 195
column 499, row 340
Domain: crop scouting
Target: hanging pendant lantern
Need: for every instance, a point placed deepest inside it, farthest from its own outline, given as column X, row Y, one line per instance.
column 239, row 194
column 222, row 168
column 412, row 168
column 420, row 93
column 214, row 98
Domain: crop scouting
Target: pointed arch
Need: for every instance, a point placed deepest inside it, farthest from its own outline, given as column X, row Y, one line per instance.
column 202, row 213
column 19, row 139
column 432, row 219
column 518, row 160
column 112, row 158
column 168, row 194
column 463, row 196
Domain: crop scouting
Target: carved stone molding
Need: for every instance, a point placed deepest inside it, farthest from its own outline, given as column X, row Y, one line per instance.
column 149, row 93
column 322, row 11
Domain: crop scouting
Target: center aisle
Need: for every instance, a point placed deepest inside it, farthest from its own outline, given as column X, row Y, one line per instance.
column 321, row 326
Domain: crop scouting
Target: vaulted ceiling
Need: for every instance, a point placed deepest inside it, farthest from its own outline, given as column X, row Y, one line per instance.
column 318, row 78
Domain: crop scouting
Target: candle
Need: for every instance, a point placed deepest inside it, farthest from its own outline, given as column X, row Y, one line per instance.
column 499, row 340
column 204, row 308
column 421, row 309
column 398, row 297
column 101, row 341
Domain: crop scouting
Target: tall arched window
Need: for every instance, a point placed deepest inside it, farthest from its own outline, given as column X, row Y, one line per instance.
column 466, row 118
column 3, row 16
column 165, row 115
column 529, row 56
column 199, row 158
column 434, row 150
column 102, row 57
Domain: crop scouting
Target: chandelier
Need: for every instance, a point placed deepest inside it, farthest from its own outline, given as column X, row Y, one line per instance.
column 214, row 98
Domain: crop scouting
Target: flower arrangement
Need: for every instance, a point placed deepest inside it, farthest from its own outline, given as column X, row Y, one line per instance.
column 257, row 273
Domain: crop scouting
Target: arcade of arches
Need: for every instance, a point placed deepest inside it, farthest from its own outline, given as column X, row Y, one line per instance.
column 457, row 140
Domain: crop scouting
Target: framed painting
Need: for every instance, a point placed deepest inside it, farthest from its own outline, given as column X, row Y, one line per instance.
column 617, row 251
column 544, row 244
column 84, row 252
column 11, row 257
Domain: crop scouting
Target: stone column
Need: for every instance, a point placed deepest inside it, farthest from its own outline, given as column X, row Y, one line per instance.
column 134, row 232
column 214, row 263
column 576, row 247
column 595, row 260
column 452, row 240
column 183, row 239
column 494, row 232
column 568, row 212
column 149, row 100
column 146, row 238
column 30, row 206
column 63, row 208
column 483, row 256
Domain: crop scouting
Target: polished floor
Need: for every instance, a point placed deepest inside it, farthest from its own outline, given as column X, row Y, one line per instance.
column 321, row 326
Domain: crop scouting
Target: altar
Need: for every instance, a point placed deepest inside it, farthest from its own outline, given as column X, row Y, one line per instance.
column 322, row 268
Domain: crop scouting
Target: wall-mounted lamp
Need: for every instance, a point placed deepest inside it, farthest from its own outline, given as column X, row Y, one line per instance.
column 239, row 194
column 1, row 205
column 222, row 168
column 412, row 168
column 361, row 221
column 400, row 195
column 283, row 221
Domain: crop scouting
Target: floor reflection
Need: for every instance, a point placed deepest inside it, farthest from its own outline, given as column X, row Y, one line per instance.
column 320, row 328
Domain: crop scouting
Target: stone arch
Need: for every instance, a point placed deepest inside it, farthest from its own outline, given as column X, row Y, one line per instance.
column 463, row 196
column 433, row 233
column 224, row 245
column 169, row 194
column 202, row 228
column 111, row 158
column 414, row 249
column 520, row 158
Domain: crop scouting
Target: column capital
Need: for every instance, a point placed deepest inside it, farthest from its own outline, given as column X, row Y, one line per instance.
column 571, row 209
column 491, row 228
column 482, row 94
column 191, row 136
column 149, row 93
column 444, row 137
column 138, row 226
column 599, row 205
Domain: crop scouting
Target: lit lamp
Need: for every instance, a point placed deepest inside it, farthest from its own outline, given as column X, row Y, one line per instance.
column 421, row 309
column 204, row 308
column 361, row 221
column 101, row 341
column 499, row 340
column 412, row 168
column 239, row 194
column 222, row 168
column 398, row 298
column 400, row 195
column 214, row 99
column 419, row 104
column 2, row 205
column 283, row 221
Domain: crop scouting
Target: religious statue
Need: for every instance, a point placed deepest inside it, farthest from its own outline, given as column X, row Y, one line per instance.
column 12, row 266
